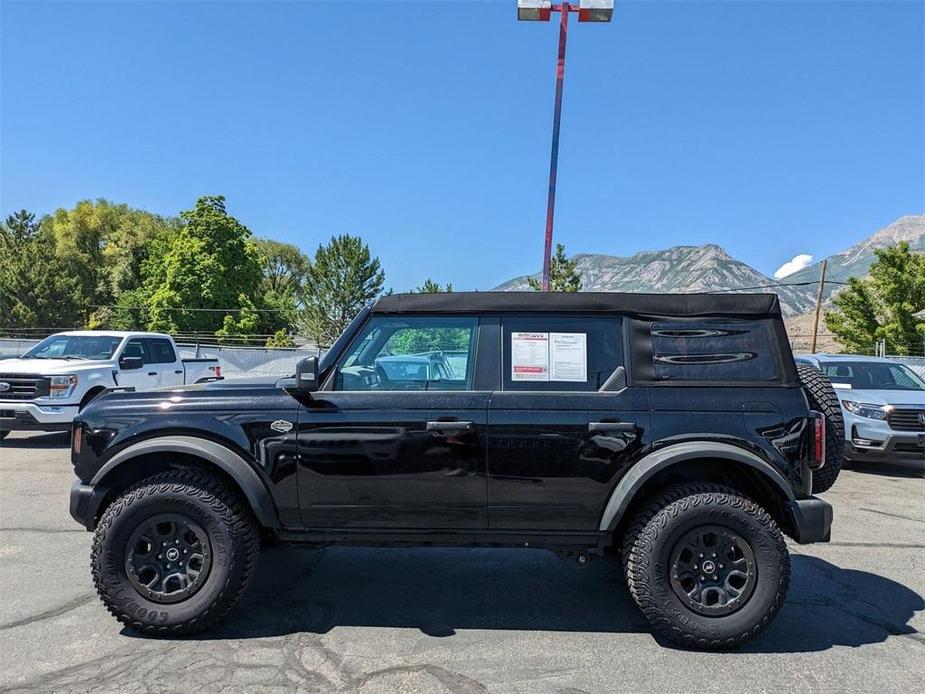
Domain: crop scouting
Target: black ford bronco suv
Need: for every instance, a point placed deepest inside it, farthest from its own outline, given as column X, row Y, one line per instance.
column 672, row 431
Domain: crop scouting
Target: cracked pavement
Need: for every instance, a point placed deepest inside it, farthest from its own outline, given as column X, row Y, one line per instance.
column 440, row 620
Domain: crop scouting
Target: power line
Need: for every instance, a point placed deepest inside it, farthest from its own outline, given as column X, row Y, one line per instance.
column 773, row 286
column 168, row 308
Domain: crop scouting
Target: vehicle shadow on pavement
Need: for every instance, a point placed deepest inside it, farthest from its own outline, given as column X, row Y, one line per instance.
column 440, row 591
column 61, row 439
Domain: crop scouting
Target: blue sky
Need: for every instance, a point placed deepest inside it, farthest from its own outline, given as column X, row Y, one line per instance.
column 770, row 128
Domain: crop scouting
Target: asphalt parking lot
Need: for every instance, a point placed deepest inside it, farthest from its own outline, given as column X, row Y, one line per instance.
column 376, row 620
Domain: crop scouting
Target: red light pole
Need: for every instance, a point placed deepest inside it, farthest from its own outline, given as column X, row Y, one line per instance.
column 540, row 10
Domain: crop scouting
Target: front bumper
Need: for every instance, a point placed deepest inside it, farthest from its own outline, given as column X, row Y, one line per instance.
column 810, row 520
column 85, row 503
column 28, row 416
column 879, row 443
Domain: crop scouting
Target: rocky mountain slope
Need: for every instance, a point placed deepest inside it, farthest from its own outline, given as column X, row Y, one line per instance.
column 679, row 269
column 710, row 268
column 856, row 260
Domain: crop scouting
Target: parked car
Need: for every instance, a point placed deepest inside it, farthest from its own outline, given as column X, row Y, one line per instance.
column 670, row 430
column 411, row 370
column 44, row 389
column 883, row 404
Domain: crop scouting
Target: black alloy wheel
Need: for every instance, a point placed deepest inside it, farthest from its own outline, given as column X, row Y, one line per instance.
column 713, row 570
column 168, row 557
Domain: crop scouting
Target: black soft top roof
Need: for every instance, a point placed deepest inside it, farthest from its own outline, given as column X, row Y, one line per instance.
column 667, row 305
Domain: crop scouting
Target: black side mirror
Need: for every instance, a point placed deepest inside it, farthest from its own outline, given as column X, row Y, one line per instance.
column 306, row 375
column 130, row 363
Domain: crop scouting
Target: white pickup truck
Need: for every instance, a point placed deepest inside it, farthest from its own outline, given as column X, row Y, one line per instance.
column 44, row 388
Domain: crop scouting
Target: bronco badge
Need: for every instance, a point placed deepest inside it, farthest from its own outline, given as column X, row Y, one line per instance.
column 281, row 426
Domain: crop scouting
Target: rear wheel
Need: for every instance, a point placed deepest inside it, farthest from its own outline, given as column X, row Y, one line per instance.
column 174, row 553
column 823, row 398
column 707, row 566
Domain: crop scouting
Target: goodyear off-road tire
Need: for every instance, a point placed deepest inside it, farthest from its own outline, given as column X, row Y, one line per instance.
column 823, row 398
column 195, row 514
column 654, row 548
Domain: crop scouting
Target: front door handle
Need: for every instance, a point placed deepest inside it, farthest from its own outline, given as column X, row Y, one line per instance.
column 152, row 373
column 178, row 371
column 612, row 426
column 447, row 427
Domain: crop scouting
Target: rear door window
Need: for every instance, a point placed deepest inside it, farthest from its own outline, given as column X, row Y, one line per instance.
column 560, row 353
column 161, row 351
column 712, row 351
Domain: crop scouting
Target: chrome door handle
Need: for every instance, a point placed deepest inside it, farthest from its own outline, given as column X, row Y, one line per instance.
column 449, row 426
column 612, row 426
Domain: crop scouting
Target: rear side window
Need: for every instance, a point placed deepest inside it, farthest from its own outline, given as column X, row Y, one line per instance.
column 161, row 351
column 560, row 353
column 712, row 351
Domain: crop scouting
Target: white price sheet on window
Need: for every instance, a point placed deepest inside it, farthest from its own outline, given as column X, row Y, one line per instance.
column 568, row 357
column 549, row 356
column 529, row 356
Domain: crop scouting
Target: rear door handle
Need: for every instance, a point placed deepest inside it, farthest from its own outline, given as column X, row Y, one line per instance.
column 178, row 371
column 612, row 426
column 449, row 426
column 152, row 373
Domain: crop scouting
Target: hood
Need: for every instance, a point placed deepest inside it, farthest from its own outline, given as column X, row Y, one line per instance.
column 49, row 367
column 881, row 397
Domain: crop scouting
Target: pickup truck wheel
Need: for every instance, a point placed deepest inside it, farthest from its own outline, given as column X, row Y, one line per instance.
column 174, row 553
column 823, row 398
column 707, row 566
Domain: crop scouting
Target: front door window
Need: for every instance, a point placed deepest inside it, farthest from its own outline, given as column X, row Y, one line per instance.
column 427, row 353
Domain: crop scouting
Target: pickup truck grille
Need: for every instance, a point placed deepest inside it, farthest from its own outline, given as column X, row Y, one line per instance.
column 906, row 420
column 23, row 387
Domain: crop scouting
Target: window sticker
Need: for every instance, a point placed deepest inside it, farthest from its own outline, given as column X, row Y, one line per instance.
column 529, row 356
column 568, row 357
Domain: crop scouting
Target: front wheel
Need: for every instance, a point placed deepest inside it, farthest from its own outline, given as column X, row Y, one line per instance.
column 707, row 566
column 174, row 553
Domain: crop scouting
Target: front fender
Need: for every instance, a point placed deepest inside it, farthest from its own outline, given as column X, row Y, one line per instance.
column 227, row 460
column 655, row 462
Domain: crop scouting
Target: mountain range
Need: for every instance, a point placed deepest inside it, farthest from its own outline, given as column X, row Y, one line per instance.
column 710, row 268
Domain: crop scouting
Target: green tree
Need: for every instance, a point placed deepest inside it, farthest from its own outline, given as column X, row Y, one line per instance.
column 563, row 274
column 36, row 290
column 284, row 269
column 280, row 338
column 210, row 263
column 104, row 245
column 880, row 306
column 342, row 278
column 431, row 287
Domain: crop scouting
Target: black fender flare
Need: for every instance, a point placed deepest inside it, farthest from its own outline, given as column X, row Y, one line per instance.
column 227, row 460
column 651, row 464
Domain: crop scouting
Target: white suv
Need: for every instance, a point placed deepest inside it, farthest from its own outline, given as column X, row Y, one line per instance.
column 883, row 403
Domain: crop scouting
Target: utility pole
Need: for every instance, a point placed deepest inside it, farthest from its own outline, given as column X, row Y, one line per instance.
column 539, row 11
column 818, row 304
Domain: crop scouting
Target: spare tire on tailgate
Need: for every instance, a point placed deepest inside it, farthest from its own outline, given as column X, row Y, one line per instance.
column 823, row 398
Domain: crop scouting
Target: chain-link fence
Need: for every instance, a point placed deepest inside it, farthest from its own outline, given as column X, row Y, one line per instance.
column 236, row 362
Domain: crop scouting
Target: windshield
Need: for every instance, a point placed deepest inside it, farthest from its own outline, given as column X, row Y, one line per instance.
column 872, row 376
column 75, row 347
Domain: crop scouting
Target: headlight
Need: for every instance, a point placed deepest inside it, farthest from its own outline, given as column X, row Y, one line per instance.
column 62, row 386
column 863, row 409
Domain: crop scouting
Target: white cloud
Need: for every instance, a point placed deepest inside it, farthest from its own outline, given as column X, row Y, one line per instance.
column 797, row 263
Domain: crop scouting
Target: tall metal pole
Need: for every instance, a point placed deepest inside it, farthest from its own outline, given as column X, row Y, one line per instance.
column 554, row 158
column 818, row 305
